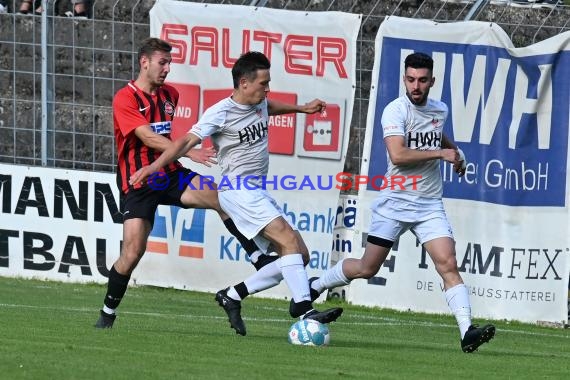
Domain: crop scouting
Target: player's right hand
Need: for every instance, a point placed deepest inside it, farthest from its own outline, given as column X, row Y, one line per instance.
column 204, row 156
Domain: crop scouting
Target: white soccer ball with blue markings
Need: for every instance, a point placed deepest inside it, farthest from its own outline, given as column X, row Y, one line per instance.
column 308, row 332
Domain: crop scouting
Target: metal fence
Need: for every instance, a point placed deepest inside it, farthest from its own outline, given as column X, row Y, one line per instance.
column 81, row 63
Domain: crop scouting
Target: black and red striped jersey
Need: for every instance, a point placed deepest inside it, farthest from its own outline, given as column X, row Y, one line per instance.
column 133, row 108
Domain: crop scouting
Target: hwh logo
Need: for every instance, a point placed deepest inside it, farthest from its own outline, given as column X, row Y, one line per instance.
column 419, row 140
column 253, row 133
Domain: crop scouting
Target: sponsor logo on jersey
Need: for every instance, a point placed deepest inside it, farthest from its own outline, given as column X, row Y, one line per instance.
column 253, row 133
column 424, row 139
column 161, row 127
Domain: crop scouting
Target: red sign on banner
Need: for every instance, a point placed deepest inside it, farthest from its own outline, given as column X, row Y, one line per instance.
column 187, row 110
column 282, row 127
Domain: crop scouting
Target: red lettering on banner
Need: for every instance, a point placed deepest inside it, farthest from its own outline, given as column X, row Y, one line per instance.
column 333, row 50
column 178, row 53
column 204, row 39
column 227, row 61
column 292, row 54
column 267, row 39
column 304, row 54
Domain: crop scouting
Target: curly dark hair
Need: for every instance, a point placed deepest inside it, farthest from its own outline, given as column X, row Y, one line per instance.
column 419, row 61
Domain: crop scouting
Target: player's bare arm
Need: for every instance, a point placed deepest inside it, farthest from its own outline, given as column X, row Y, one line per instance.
column 278, row 108
column 151, row 139
column 205, row 156
column 400, row 154
column 171, row 154
column 446, row 143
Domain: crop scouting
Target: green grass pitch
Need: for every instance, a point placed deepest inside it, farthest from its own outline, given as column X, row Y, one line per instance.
column 46, row 332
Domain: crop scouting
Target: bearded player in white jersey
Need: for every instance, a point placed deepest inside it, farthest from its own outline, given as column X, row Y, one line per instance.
column 413, row 134
column 238, row 126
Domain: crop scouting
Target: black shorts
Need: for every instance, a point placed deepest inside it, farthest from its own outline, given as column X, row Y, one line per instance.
column 142, row 203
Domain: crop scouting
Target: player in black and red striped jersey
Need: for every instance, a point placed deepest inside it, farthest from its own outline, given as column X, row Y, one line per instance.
column 142, row 114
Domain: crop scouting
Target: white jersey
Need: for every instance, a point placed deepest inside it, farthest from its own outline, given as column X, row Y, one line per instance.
column 239, row 134
column 422, row 129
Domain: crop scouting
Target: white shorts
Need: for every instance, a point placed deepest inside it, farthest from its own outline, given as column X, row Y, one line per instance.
column 430, row 225
column 251, row 211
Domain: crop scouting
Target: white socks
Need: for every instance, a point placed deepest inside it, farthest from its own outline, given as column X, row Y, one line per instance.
column 331, row 278
column 255, row 256
column 295, row 275
column 265, row 278
column 458, row 300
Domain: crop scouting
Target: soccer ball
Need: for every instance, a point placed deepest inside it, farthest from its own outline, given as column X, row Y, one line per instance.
column 308, row 332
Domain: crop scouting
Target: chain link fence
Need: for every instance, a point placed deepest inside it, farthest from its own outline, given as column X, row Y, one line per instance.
column 82, row 62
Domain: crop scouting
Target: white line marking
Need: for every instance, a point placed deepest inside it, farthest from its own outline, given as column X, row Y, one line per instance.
column 365, row 320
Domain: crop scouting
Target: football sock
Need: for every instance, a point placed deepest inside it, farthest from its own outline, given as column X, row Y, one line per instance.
column 116, row 288
column 264, row 259
column 295, row 276
column 255, row 256
column 247, row 244
column 268, row 276
column 457, row 298
column 233, row 294
column 331, row 278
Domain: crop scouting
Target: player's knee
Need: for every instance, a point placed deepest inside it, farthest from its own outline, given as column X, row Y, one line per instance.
column 130, row 256
column 368, row 272
column 449, row 265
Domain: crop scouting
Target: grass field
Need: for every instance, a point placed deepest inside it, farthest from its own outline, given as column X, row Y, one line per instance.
column 46, row 332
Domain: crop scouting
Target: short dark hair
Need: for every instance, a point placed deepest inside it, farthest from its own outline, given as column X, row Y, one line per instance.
column 151, row 45
column 419, row 61
column 248, row 64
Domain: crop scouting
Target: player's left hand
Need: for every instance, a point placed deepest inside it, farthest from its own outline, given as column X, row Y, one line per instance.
column 204, row 156
column 140, row 176
column 315, row 105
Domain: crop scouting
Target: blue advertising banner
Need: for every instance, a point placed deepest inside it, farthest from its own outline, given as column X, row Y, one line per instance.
column 508, row 109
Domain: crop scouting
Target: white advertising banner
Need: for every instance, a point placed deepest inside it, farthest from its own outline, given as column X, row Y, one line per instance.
column 509, row 113
column 58, row 224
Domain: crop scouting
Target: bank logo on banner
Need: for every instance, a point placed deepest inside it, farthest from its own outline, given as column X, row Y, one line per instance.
column 509, row 114
column 178, row 230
